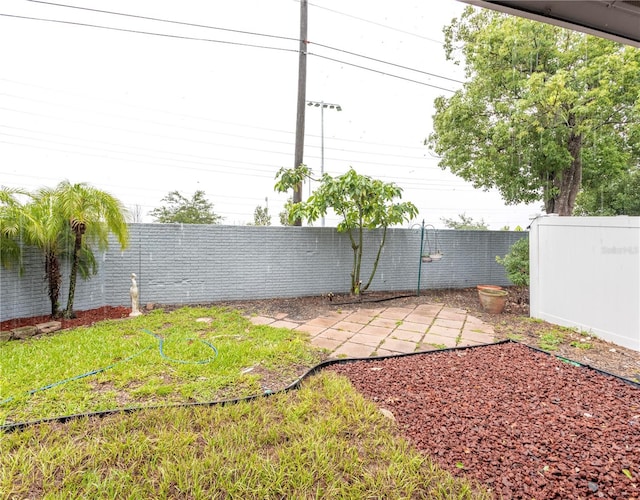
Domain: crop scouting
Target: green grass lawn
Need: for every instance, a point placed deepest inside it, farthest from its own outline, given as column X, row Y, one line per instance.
column 251, row 360
column 322, row 441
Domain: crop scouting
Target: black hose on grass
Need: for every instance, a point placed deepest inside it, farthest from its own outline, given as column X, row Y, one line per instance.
column 129, row 358
column 294, row 385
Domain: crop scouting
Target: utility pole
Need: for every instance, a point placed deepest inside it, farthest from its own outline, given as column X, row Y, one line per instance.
column 302, row 97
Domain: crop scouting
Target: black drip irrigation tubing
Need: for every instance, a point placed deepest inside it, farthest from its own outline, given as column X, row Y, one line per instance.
column 372, row 300
column 17, row 426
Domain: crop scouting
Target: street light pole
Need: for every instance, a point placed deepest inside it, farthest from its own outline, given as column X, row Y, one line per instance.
column 322, row 105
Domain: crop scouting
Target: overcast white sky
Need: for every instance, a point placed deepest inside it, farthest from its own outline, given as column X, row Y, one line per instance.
column 140, row 115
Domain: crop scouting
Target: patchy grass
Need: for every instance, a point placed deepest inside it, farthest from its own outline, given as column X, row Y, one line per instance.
column 581, row 345
column 551, row 339
column 251, row 359
column 323, row 441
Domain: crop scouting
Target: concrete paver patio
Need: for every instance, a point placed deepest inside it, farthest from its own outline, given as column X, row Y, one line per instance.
column 382, row 331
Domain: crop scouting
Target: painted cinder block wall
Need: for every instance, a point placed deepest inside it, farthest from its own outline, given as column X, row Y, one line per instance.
column 191, row 264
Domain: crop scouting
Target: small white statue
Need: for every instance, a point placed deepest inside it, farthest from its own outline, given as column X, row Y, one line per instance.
column 135, row 308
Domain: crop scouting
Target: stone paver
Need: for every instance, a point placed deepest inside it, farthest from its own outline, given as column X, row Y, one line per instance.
column 327, row 343
column 361, row 317
column 281, row 323
column 384, row 352
column 330, row 333
column 409, row 336
column 444, row 332
column 438, row 340
column 327, row 322
column 425, row 319
column 380, row 331
column 408, row 326
column 348, row 326
column 386, row 331
column 449, row 323
column 428, row 309
column 483, row 338
column 363, row 338
column 385, row 322
column 398, row 345
column 353, row 351
column 396, row 312
column 310, row 329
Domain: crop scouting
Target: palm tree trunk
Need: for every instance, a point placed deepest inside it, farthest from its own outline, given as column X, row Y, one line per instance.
column 68, row 313
column 52, row 271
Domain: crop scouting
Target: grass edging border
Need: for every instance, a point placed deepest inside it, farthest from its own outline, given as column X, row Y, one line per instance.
column 17, row 426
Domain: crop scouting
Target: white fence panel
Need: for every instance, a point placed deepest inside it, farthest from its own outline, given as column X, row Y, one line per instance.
column 585, row 273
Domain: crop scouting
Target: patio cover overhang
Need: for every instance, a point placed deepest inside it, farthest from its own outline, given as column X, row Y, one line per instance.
column 617, row 20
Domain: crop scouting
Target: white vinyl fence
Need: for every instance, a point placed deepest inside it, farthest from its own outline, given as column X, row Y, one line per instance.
column 585, row 273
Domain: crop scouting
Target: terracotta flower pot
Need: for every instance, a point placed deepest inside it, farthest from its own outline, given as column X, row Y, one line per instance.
column 488, row 287
column 493, row 301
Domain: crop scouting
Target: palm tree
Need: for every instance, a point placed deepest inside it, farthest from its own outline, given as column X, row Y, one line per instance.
column 10, row 218
column 91, row 213
column 44, row 228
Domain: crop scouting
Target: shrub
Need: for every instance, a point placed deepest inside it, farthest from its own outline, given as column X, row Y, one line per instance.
column 516, row 262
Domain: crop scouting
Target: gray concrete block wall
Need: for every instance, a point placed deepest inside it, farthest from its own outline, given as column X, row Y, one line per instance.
column 190, row 264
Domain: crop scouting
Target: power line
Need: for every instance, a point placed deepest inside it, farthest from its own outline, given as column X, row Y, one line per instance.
column 253, row 33
column 182, row 37
column 151, row 33
column 382, row 72
column 165, row 20
column 355, row 54
column 384, row 62
column 209, row 159
column 266, row 173
column 208, row 119
column 375, row 23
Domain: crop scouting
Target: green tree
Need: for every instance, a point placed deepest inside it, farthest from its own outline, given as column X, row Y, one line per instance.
column 91, row 214
column 465, row 222
column 43, row 226
column 362, row 202
column 261, row 216
column 178, row 209
column 11, row 215
column 61, row 222
column 618, row 195
column 542, row 107
column 284, row 214
column 516, row 262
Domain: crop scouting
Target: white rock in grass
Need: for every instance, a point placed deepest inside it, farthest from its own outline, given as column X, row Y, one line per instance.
column 388, row 414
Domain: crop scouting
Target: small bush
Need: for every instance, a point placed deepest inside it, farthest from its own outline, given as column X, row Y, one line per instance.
column 516, row 262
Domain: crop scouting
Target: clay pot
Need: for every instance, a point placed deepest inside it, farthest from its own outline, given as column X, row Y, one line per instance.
column 492, row 300
column 488, row 287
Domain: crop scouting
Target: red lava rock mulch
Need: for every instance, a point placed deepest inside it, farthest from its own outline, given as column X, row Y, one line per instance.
column 82, row 318
column 523, row 423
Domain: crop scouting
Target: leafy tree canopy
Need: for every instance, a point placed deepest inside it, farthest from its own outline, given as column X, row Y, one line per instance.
column 616, row 195
column 10, row 220
column 361, row 202
column 465, row 222
column 178, row 209
column 261, row 216
column 542, row 109
column 284, row 214
column 516, row 262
